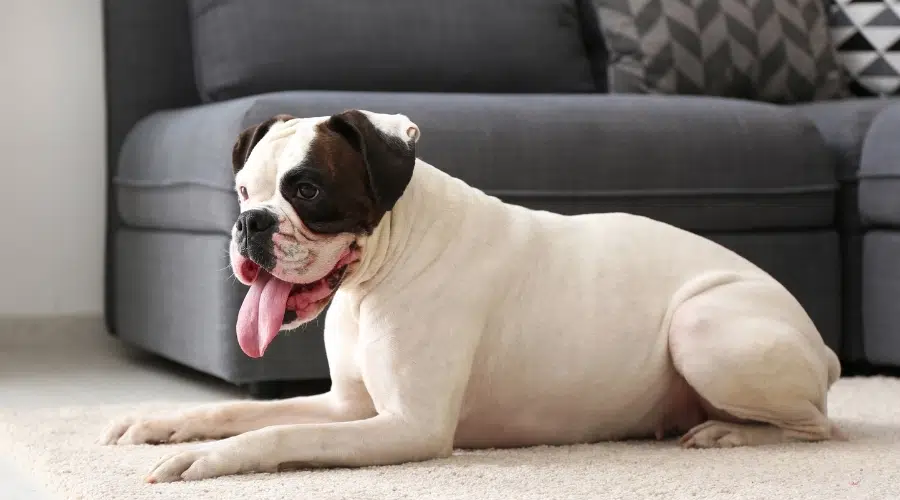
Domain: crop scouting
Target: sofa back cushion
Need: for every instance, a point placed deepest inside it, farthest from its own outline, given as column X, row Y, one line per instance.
column 245, row 47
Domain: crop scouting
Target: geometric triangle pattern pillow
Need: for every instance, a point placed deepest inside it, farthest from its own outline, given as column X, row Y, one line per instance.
column 866, row 34
column 764, row 50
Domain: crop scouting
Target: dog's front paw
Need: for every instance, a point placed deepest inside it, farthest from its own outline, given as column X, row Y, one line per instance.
column 207, row 461
column 166, row 429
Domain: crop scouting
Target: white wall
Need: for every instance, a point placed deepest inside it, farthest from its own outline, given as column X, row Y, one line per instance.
column 51, row 157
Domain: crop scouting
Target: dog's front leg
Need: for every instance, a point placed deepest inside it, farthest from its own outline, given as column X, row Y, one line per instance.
column 381, row 440
column 347, row 400
column 417, row 382
column 221, row 420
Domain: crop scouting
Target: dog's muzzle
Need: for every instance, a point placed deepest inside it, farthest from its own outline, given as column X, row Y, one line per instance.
column 253, row 233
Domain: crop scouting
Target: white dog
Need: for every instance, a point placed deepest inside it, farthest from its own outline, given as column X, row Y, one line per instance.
column 457, row 320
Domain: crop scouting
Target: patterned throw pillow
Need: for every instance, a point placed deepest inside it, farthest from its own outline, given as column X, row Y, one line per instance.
column 867, row 36
column 767, row 50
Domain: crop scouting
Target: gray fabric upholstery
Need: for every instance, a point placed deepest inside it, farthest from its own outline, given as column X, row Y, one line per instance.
column 148, row 67
column 738, row 166
column 879, row 175
column 879, row 201
column 244, row 48
column 844, row 125
column 175, row 169
column 851, row 247
column 881, row 289
column 177, row 298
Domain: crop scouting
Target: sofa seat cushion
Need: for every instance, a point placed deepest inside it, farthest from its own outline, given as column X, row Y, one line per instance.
column 701, row 163
column 245, row 47
column 879, row 173
column 844, row 125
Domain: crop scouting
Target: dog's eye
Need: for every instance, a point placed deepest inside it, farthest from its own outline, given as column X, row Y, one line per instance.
column 244, row 194
column 307, row 191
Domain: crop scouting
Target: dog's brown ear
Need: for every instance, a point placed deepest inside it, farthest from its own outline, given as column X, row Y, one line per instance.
column 249, row 138
column 389, row 160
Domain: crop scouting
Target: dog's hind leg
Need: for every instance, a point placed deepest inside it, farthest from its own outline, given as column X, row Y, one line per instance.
column 752, row 354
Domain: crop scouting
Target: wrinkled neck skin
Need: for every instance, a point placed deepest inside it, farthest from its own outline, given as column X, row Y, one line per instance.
column 403, row 232
column 377, row 252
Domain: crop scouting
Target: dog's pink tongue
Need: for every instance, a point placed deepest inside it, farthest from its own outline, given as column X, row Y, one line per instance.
column 262, row 314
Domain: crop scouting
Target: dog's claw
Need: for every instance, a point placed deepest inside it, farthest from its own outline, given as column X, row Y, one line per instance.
column 115, row 430
column 132, row 430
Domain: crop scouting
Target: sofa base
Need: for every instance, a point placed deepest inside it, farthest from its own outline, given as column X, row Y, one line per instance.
column 881, row 297
column 176, row 298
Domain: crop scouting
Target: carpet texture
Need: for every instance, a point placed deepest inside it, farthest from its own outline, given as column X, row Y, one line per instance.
column 56, row 448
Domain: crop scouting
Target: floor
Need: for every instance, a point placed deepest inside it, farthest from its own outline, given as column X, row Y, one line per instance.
column 70, row 362
column 74, row 362
column 867, row 410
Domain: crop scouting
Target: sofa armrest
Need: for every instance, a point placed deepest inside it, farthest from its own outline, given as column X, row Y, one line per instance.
column 148, row 63
column 149, row 67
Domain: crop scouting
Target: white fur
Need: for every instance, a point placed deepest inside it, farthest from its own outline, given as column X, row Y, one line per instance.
column 474, row 323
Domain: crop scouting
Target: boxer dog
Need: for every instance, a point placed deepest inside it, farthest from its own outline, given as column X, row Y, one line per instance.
column 457, row 320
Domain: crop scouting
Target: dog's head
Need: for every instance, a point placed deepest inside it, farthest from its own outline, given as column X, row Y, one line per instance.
column 308, row 189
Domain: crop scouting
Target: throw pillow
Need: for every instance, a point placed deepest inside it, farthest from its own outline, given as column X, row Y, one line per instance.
column 867, row 36
column 768, row 50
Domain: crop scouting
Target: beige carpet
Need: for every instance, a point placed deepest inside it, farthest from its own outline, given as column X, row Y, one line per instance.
column 56, row 448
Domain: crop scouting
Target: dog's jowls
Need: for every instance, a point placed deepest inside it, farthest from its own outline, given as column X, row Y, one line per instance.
column 457, row 320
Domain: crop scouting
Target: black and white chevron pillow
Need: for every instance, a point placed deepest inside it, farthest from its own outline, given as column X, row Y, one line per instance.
column 867, row 36
column 767, row 50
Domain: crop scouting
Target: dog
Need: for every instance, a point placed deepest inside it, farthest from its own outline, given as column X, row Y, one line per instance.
column 456, row 320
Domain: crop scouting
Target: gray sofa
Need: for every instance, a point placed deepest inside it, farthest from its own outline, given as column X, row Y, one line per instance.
column 810, row 192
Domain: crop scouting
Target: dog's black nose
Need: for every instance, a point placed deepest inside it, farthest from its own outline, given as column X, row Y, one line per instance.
column 253, row 222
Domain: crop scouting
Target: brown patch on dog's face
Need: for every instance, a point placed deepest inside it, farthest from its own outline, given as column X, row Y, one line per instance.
column 350, row 177
column 328, row 189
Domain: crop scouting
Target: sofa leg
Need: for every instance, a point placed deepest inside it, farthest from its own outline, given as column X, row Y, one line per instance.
column 271, row 389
